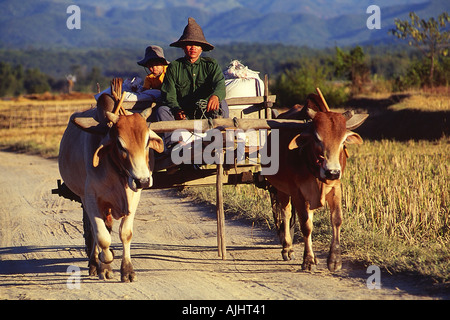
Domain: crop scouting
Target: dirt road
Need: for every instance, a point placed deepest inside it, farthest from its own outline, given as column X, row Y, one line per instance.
column 173, row 251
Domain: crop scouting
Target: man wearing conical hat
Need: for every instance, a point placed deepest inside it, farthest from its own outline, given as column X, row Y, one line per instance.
column 194, row 86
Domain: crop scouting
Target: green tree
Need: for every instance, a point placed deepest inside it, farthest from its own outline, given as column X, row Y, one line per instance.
column 35, row 81
column 300, row 79
column 352, row 65
column 93, row 77
column 431, row 37
column 11, row 79
column 87, row 79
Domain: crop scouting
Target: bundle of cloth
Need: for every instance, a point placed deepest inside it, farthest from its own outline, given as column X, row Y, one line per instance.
column 134, row 92
column 240, row 81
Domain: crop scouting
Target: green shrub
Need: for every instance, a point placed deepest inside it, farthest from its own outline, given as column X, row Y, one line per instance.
column 293, row 85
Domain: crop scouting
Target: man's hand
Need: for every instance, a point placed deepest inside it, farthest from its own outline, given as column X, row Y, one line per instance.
column 213, row 104
column 180, row 115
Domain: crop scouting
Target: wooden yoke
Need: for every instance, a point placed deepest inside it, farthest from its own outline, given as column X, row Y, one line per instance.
column 223, row 124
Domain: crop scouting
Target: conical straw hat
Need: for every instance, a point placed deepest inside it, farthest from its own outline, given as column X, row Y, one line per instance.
column 193, row 34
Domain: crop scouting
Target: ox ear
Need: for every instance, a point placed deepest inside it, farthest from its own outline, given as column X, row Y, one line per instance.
column 354, row 120
column 353, row 138
column 90, row 125
column 155, row 142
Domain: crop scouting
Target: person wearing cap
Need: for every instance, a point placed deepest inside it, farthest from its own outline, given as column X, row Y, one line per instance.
column 156, row 63
column 194, row 86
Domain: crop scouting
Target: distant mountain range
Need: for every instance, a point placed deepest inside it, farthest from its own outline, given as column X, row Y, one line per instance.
column 111, row 23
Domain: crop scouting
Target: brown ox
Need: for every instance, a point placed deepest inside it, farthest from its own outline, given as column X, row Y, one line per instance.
column 311, row 165
column 107, row 168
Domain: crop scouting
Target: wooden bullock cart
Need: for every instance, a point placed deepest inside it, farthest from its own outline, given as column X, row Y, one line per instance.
column 256, row 115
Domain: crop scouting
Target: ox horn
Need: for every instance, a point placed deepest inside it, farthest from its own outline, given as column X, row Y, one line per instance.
column 311, row 113
column 147, row 112
column 112, row 117
column 348, row 114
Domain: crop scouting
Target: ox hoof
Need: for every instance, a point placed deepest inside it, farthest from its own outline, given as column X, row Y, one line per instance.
column 288, row 254
column 128, row 277
column 334, row 261
column 127, row 273
column 93, row 269
column 309, row 263
column 105, row 272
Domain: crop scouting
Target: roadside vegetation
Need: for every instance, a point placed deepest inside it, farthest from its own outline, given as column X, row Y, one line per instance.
column 397, row 201
column 36, row 124
column 43, row 141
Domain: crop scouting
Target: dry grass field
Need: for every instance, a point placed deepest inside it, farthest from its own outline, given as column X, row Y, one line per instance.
column 398, row 205
column 396, row 192
column 36, row 126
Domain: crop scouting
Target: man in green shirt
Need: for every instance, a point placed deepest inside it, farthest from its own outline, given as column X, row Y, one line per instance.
column 194, row 86
column 193, row 83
